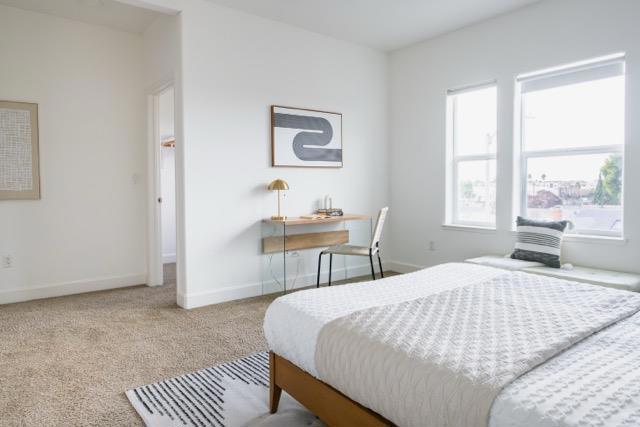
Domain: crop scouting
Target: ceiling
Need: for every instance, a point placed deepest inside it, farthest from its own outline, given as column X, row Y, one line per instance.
column 109, row 13
column 382, row 24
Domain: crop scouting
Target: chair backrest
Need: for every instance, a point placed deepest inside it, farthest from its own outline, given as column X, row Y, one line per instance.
column 377, row 232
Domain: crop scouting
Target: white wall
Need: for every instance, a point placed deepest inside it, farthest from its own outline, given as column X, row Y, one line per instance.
column 546, row 34
column 167, row 176
column 161, row 52
column 234, row 66
column 88, row 230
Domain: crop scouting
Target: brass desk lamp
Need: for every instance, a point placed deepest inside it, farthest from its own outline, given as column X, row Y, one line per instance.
column 279, row 185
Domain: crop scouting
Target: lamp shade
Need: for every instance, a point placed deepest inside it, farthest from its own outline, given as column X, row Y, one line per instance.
column 278, row 184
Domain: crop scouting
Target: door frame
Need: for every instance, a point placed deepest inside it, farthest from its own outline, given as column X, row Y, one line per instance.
column 155, row 275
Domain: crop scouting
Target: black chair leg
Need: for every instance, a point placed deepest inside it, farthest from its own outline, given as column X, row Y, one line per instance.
column 380, row 264
column 373, row 273
column 319, row 264
column 330, row 262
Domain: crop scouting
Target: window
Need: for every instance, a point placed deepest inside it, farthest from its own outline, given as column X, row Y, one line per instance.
column 572, row 145
column 471, row 148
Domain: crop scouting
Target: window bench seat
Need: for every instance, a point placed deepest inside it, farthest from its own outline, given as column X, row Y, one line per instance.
column 608, row 278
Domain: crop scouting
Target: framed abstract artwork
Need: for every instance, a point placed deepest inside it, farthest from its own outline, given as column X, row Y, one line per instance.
column 19, row 159
column 305, row 138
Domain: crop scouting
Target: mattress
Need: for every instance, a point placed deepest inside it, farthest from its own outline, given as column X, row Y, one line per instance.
column 594, row 381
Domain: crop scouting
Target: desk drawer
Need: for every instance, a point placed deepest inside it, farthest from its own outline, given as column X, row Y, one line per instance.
column 274, row 244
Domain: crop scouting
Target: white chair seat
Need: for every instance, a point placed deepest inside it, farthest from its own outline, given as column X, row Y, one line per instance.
column 349, row 250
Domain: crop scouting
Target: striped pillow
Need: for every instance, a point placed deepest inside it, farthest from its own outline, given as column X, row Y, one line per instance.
column 539, row 241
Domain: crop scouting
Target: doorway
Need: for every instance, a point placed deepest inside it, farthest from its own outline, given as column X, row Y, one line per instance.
column 163, row 231
column 166, row 125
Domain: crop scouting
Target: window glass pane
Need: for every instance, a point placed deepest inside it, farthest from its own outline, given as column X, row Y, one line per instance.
column 579, row 115
column 474, row 122
column 476, row 191
column 586, row 189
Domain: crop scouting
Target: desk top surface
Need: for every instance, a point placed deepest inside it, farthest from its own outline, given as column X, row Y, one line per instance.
column 294, row 220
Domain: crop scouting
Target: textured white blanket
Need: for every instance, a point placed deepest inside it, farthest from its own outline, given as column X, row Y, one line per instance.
column 292, row 322
column 441, row 360
column 595, row 383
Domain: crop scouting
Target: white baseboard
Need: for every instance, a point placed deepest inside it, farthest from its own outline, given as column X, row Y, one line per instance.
column 168, row 258
column 401, row 267
column 231, row 293
column 200, row 299
column 196, row 299
column 76, row 287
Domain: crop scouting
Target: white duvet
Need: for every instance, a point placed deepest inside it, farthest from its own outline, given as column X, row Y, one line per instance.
column 567, row 392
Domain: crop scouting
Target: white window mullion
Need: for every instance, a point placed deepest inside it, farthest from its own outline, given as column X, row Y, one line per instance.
column 454, row 193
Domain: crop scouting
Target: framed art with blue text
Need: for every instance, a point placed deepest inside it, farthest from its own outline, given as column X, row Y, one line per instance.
column 305, row 138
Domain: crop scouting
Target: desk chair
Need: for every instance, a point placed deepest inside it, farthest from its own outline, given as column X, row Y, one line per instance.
column 370, row 251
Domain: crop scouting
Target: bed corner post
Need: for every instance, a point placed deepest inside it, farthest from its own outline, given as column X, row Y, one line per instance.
column 274, row 390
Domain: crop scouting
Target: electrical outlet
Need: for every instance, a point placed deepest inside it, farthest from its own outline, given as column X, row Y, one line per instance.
column 7, row 261
column 432, row 245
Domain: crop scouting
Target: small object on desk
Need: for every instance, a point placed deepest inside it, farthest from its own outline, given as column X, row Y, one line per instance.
column 279, row 185
column 328, row 202
column 313, row 216
column 330, row 212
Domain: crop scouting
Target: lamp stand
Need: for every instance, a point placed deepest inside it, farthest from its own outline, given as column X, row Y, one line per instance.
column 278, row 217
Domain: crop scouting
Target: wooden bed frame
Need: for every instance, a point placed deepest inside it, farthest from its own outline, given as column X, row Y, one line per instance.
column 327, row 403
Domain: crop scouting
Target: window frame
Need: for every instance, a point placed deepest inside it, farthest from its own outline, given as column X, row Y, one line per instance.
column 454, row 159
column 523, row 155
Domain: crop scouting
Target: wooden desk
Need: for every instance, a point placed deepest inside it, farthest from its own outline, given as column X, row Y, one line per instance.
column 296, row 220
column 289, row 241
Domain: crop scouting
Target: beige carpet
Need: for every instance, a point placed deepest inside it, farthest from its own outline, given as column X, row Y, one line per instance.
column 67, row 361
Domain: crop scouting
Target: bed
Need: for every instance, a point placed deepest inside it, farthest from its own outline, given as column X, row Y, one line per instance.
column 459, row 345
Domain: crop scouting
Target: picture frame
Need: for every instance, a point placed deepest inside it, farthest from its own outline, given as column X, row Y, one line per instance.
column 302, row 137
column 19, row 151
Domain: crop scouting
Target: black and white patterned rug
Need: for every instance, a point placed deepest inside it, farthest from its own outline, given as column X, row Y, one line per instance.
column 232, row 394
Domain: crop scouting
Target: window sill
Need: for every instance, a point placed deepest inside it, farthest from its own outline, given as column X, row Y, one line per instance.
column 471, row 228
column 592, row 239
